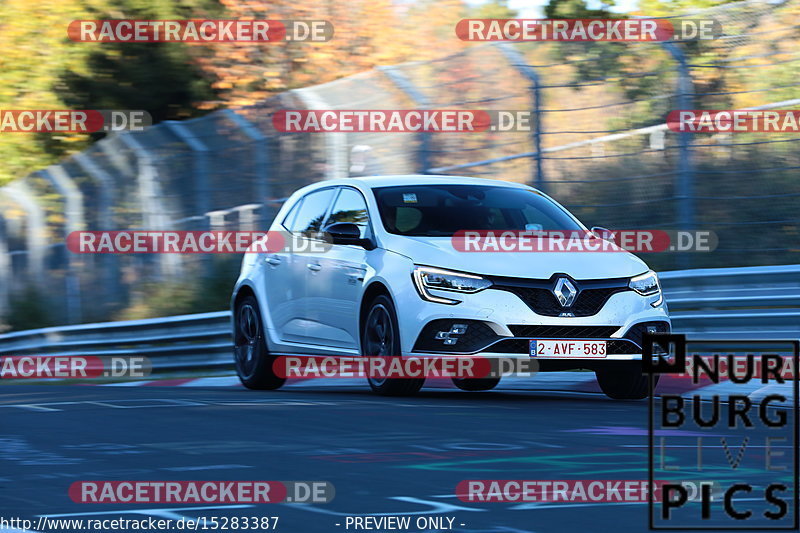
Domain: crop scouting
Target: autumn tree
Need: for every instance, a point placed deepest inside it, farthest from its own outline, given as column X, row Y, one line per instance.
column 40, row 68
column 367, row 33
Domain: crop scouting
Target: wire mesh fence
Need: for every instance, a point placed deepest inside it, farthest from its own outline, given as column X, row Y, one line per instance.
column 599, row 145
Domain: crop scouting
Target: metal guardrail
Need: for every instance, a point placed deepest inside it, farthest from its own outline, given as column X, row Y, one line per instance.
column 731, row 303
column 172, row 343
column 720, row 303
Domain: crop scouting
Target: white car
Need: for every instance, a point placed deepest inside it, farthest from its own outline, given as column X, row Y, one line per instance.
column 393, row 283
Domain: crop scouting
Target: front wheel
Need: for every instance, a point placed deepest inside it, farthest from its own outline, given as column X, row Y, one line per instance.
column 624, row 382
column 253, row 360
column 381, row 337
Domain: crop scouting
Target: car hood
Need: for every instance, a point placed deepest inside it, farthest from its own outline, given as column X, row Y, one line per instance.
column 439, row 252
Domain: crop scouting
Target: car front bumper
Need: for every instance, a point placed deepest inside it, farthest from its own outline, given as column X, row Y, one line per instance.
column 503, row 324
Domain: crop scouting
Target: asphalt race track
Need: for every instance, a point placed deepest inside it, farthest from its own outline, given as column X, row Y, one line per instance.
column 385, row 456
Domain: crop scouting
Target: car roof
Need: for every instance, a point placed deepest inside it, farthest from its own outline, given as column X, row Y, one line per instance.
column 419, row 179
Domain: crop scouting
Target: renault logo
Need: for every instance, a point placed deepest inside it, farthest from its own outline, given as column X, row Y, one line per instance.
column 565, row 291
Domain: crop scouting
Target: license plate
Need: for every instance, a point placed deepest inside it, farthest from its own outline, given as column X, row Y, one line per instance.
column 567, row 348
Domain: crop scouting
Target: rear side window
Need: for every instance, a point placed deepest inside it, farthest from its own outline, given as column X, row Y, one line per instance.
column 289, row 219
column 312, row 212
column 350, row 207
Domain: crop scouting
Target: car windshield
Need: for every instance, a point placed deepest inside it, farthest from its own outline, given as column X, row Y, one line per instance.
column 442, row 210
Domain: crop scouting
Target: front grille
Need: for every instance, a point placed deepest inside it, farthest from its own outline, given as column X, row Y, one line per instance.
column 477, row 336
column 562, row 332
column 538, row 294
column 622, row 347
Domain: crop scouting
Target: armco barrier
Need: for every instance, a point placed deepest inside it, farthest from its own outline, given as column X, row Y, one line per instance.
column 729, row 303
column 173, row 343
column 750, row 302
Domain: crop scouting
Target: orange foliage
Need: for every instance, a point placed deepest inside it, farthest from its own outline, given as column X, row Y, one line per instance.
column 367, row 33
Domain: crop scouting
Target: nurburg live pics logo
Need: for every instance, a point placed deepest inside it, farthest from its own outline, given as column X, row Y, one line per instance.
column 738, row 427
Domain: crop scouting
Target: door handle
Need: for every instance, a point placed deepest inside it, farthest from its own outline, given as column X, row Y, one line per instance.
column 314, row 267
column 274, row 260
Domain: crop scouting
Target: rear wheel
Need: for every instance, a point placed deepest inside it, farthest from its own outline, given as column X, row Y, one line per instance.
column 380, row 336
column 476, row 384
column 624, row 382
column 253, row 360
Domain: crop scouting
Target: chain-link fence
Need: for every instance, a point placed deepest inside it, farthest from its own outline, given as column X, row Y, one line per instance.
column 599, row 144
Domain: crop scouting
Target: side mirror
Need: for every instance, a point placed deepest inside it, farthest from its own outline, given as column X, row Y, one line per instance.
column 347, row 233
column 603, row 233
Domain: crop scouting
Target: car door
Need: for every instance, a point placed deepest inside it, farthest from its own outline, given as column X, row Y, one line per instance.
column 277, row 280
column 335, row 284
column 305, row 227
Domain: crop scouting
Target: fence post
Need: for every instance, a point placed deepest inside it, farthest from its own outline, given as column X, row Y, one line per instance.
column 107, row 193
column 146, row 178
column 105, row 186
column 73, row 221
column 202, row 192
column 685, row 179
column 153, row 215
column 422, row 102
column 115, row 156
column 34, row 238
column 5, row 270
column 518, row 62
column 337, row 154
column 260, row 161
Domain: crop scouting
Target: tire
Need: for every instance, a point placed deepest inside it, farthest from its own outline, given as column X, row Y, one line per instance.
column 380, row 336
column 253, row 361
column 476, row 384
column 624, row 382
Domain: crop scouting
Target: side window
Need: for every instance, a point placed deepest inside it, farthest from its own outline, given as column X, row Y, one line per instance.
column 312, row 212
column 350, row 207
column 292, row 214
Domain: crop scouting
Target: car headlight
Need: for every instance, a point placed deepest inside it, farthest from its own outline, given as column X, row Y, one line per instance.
column 426, row 278
column 647, row 285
